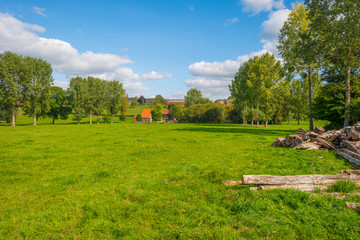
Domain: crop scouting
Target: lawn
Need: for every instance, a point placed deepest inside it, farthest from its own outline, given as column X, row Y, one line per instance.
column 160, row 181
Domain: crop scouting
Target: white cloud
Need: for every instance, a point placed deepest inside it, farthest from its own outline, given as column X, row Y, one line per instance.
column 22, row 38
column 39, row 11
column 63, row 85
column 231, row 21
column 256, row 6
column 272, row 26
column 176, row 95
column 155, row 76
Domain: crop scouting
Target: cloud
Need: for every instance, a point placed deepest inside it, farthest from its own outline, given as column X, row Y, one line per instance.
column 22, row 38
column 155, row 76
column 231, row 21
column 176, row 95
column 256, row 6
column 213, row 78
column 39, row 11
column 63, row 85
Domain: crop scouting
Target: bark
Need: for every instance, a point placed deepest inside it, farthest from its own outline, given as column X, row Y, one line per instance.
column 13, row 115
column 112, row 119
column 90, row 118
column 245, row 122
column 53, row 122
column 347, row 99
column 311, row 124
column 98, row 119
column 78, row 122
column 35, row 122
column 296, row 179
column 301, row 187
column 257, row 115
column 266, row 123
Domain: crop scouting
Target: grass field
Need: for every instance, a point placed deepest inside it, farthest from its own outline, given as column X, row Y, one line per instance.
column 160, row 181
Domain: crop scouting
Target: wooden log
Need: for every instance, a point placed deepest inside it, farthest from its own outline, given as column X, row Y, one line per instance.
column 352, row 205
column 354, row 135
column 352, row 146
column 308, row 146
column 356, row 172
column 301, row 187
column 326, row 144
column 351, row 153
column 297, row 179
column 352, row 160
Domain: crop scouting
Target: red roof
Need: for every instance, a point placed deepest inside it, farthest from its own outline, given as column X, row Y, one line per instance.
column 181, row 103
column 165, row 111
column 146, row 113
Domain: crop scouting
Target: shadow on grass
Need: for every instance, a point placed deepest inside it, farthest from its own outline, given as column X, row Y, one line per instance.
column 212, row 128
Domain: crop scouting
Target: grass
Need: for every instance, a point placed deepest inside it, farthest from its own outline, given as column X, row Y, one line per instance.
column 160, row 181
column 343, row 186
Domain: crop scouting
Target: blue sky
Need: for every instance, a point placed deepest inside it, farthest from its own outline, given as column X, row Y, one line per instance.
column 153, row 47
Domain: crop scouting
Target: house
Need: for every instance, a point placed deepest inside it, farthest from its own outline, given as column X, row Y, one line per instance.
column 176, row 101
column 164, row 115
column 146, row 116
column 226, row 102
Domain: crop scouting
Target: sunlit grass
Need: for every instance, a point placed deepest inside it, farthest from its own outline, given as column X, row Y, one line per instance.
column 161, row 181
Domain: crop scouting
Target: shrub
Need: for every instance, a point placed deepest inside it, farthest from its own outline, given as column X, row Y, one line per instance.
column 138, row 117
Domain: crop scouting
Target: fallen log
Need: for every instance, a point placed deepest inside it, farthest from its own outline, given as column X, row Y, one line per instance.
column 352, row 160
column 297, row 179
column 232, row 182
column 356, row 172
column 308, row 146
column 352, row 146
column 352, row 205
column 301, row 187
column 326, row 144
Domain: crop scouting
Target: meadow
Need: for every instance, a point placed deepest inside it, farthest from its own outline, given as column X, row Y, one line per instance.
column 160, row 181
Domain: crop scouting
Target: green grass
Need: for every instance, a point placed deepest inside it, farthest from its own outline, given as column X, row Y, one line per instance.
column 160, row 181
column 343, row 186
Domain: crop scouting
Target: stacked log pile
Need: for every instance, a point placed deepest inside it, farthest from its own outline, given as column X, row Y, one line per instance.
column 346, row 141
column 307, row 183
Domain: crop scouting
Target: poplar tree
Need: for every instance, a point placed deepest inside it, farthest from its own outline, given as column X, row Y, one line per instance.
column 37, row 88
column 78, row 96
column 11, row 83
column 96, row 97
column 115, row 95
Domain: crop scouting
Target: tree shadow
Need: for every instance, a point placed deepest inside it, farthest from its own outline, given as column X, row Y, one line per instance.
column 212, row 128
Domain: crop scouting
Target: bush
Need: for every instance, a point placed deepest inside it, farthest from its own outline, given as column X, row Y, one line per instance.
column 138, row 117
column 122, row 117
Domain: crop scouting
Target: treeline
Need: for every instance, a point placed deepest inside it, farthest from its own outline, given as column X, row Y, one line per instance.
column 25, row 83
column 319, row 76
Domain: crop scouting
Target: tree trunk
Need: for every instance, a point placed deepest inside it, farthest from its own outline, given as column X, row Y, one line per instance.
column 266, row 123
column 311, row 124
column 35, row 122
column 245, row 122
column 98, row 119
column 298, row 121
column 13, row 117
column 252, row 122
column 112, row 119
column 78, row 121
column 347, row 98
column 53, row 121
column 257, row 115
column 90, row 118
column 288, row 120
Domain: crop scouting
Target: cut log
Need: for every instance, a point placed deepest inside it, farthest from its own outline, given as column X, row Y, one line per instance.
column 278, row 142
column 302, row 131
column 308, row 146
column 296, row 142
column 289, row 139
column 352, row 205
column 297, row 179
column 352, row 146
column 326, row 144
column 301, row 187
column 351, row 153
column 319, row 130
column 313, row 135
column 356, row 172
column 351, row 159
column 354, row 135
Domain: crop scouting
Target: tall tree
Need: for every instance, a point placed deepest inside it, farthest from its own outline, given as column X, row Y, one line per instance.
column 156, row 112
column 115, row 95
column 141, row 100
column 298, row 98
column 160, row 100
column 59, row 104
column 194, row 96
column 11, row 83
column 297, row 46
column 37, row 89
column 96, row 96
column 264, row 78
column 336, row 25
column 78, row 96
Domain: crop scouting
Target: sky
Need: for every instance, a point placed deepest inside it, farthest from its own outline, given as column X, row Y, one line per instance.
column 153, row 47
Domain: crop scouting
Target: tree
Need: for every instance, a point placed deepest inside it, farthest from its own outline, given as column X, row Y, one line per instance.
column 174, row 111
column 59, row 104
column 115, row 95
column 194, row 96
column 298, row 99
column 297, row 47
column 78, row 96
column 264, row 78
column 11, row 83
column 37, row 89
column 336, row 24
column 139, row 117
column 239, row 89
column 134, row 101
column 141, row 100
column 156, row 112
column 96, row 97
column 160, row 100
